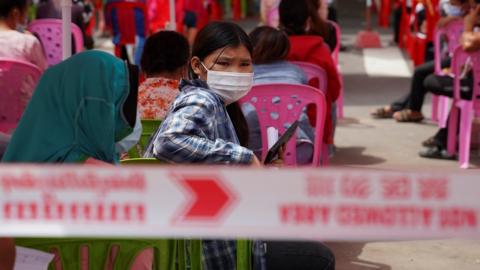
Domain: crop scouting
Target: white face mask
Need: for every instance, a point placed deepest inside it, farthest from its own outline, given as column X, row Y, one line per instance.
column 454, row 11
column 230, row 86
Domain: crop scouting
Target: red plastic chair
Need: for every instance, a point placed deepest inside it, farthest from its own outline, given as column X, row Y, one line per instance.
column 452, row 32
column 126, row 30
column 293, row 99
column 17, row 82
column 49, row 31
column 384, row 14
column 466, row 109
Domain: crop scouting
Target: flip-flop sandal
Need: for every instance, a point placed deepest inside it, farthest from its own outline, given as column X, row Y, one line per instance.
column 406, row 116
column 431, row 142
column 382, row 113
column 436, row 153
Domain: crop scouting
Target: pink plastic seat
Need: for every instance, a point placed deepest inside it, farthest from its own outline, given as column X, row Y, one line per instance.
column 49, row 31
column 315, row 74
column 452, row 32
column 17, row 82
column 466, row 109
column 292, row 101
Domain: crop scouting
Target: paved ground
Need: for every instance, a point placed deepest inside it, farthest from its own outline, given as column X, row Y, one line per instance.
column 384, row 144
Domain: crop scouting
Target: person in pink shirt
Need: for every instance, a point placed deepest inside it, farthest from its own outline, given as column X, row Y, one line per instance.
column 13, row 43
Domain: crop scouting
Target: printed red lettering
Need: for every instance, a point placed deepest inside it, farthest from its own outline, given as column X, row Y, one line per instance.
column 319, row 186
column 458, row 218
column 304, row 214
column 355, row 187
column 433, row 189
column 394, row 188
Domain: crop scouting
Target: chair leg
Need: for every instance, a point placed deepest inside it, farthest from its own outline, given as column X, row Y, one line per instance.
column 442, row 110
column 325, row 155
column 452, row 131
column 435, row 108
column 465, row 136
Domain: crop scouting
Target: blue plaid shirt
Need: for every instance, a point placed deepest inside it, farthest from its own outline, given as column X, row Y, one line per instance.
column 197, row 129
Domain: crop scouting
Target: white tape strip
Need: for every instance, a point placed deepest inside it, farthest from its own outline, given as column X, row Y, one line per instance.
column 234, row 202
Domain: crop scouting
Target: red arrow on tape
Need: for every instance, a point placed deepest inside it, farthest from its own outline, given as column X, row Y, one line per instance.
column 208, row 198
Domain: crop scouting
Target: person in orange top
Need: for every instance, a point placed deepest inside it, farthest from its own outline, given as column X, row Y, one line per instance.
column 294, row 16
column 164, row 62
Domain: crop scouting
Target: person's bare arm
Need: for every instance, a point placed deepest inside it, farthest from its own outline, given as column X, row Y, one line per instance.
column 7, row 253
column 470, row 40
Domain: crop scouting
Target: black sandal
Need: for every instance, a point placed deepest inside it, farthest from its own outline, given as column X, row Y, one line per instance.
column 436, row 153
column 431, row 142
column 382, row 113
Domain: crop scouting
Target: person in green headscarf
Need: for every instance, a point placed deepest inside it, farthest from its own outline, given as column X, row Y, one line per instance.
column 82, row 108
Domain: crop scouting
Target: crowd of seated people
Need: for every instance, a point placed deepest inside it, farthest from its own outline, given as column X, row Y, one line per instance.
column 194, row 91
column 424, row 80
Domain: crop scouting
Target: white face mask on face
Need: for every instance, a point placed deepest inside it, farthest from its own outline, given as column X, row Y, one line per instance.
column 230, row 86
column 452, row 10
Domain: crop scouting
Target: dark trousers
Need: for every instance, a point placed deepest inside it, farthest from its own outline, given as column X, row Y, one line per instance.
column 415, row 98
column 443, row 86
column 299, row 255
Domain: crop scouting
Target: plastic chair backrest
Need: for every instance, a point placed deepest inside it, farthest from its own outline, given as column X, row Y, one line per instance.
column 452, row 31
column 314, row 72
column 49, row 31
column 17, row 83
column 149, row 127
column 279, row 105
column 127, row 19
column 336, row 50
column 140, row 161
column 98, row 252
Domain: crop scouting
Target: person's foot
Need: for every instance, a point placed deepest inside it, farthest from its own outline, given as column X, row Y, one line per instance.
column 408, row 115
column 431, row 142
column 382, row 113
column 436, row 152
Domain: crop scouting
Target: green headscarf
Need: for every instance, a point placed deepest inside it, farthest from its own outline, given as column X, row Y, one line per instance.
column 76, row 112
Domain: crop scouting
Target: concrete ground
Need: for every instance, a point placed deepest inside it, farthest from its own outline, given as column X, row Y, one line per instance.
column 384, row 144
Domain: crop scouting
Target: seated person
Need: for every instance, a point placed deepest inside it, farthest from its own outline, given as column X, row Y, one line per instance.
column 271, row 48
column 164, row 62
column 197, row 129
column 319, row 25
column 15, row 44
column 409, row 107
column 436, row 146
column 294, row 15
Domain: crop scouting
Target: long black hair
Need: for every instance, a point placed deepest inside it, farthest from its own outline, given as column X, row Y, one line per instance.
column 6, row 6
column 219, row 35
column 293, row 16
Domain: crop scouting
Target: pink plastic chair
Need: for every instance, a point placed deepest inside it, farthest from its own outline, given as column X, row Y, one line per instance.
column 467, row 109
column 17, row 82
column 314, row 72
column 49, row 31
column 293, row 99
column 336, row 60
column 452, row 32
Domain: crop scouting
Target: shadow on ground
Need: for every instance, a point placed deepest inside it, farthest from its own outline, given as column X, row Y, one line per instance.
column 354, row 155
column 346, row 257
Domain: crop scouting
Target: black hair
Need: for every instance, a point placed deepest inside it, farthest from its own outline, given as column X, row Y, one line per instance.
column 6, row 6
column 165, row 51
column 270, row 45
column 218, row 35
column 293, row 16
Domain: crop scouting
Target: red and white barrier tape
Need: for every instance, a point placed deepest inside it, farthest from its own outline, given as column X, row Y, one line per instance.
column 67, row 201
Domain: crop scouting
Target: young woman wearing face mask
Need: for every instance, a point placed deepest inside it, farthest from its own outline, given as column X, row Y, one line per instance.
column 198, row 128
column 13, row 43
